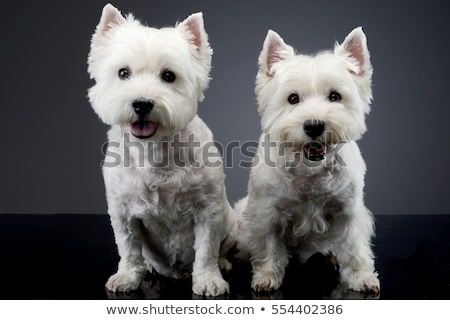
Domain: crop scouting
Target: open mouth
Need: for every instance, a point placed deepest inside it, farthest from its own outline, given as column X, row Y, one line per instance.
column 315, row 151
column 143, row 129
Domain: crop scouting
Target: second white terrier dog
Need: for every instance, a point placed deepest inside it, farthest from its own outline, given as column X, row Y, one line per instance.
column 305, row 193
column 168, row 209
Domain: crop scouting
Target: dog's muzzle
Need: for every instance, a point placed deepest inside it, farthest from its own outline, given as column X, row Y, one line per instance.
column 143, row 128
column 314, row 150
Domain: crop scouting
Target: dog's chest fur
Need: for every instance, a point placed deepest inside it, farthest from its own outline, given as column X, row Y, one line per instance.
column 167, row 211
column 312, row 201
column 168, row 200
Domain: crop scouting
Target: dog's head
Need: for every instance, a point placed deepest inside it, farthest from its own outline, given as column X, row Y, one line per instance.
column 314, row 101
column 148, row 80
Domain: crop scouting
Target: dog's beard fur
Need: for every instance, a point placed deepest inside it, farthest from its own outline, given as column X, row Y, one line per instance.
column 314, row 208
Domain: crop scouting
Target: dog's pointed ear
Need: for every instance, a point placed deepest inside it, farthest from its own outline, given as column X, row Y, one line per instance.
column 274, row 50
column 194, row 30
column 110, row 17
column 354, row 49
column 357, row 58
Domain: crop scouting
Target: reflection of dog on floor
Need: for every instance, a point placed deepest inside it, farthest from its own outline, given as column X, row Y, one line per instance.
column 169, row 216
column 305, row 193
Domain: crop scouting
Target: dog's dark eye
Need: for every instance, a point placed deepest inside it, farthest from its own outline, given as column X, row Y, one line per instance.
column 334, row 96
column 168, row 76
column 294, row 98
column 124, row 73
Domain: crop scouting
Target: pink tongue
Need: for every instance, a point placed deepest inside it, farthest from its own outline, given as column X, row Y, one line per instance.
column 316, row 151
column 143, row 129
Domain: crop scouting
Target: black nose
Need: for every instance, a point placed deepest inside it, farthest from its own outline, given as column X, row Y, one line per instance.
column 314, row 128
column 142, row 107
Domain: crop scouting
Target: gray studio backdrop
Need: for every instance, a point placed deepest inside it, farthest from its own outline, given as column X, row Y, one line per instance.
column 51, row 139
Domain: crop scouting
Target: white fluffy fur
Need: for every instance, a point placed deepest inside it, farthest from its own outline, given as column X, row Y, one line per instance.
column 315, row 206
column 169, row 219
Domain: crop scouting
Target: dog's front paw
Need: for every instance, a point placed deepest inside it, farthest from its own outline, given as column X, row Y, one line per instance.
column 210, row 286
column 123, row 282
column 364, row 282
column 266, row 280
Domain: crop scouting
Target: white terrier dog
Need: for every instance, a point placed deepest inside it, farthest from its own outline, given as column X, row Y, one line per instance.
column 169, row 214
column 305, row 193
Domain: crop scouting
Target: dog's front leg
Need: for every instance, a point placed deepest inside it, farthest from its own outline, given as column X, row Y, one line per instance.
column 269, row 259
column 131, row 269
column 354, row 252
column 268, row 253
column 206, row 277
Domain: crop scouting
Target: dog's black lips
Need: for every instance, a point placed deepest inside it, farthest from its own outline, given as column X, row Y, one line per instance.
column 315, row 151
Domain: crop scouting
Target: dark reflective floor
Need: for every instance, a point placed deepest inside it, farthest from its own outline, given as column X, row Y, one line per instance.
column 72, row 256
